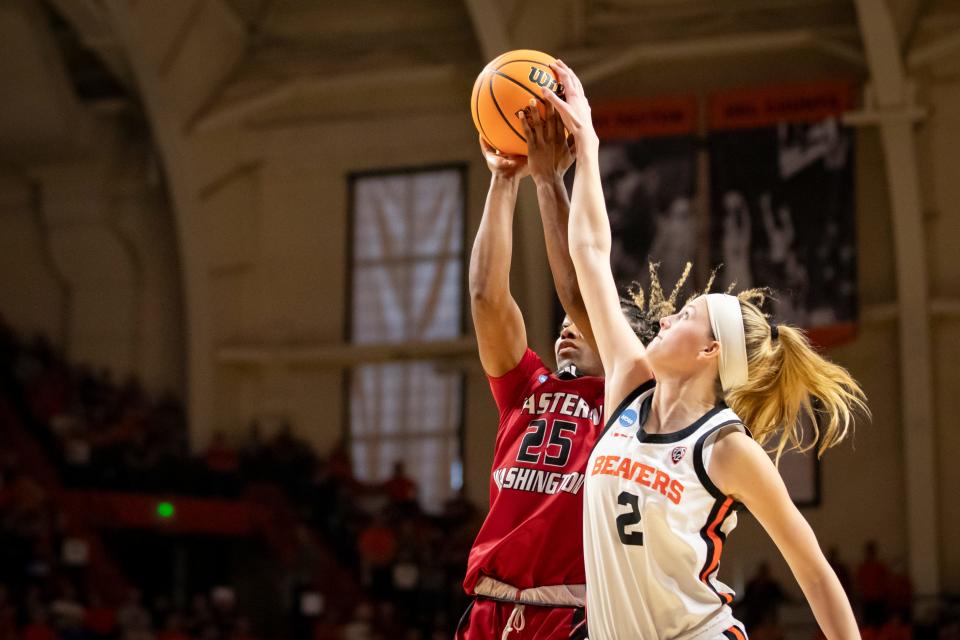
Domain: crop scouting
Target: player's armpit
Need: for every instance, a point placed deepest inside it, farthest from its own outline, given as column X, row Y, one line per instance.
column 501, row 334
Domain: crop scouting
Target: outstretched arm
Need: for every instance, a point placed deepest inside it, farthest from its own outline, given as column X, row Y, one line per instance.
column 501, row 334
column 742, row 469
column 549, row 156
column 623, row 355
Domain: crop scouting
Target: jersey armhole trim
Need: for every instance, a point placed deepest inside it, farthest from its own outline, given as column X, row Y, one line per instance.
column 701, row 469
column 643, row 388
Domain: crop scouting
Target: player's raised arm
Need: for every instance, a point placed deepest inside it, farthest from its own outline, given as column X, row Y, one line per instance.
column 501, row 334
column 549, row 157
column 622, row 353
column 741, row 468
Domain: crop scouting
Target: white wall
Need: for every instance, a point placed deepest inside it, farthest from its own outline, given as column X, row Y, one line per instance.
column 91, row 260
column 33, row 297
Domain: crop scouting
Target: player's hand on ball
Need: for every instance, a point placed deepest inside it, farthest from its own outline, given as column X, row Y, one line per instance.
column 548, row 152
column 503, row 166
column 573, row 107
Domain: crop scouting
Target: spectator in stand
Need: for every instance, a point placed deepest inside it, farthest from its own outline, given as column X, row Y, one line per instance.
column 223, row 463
column 173, row 629
column 762, row 598
column 378, row 550
column 838, row 566
column 66, row 611
column 8, row 615
column 241, row 630
column 160, row 611
column 900, row 593
column 133, row 619
column 39, row 627
column 101, row 619
column 290, row 458
column 458, row 508
column 872, row 582
column 896, row 628
column 200, row 617
column 361, row 626
column 400, row 487
column 412, row 538
column 949, row 630
column 252, row 452
column 223, row 601
column 220, row 456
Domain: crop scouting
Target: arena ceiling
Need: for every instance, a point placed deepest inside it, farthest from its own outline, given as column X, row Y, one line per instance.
column 347, row 58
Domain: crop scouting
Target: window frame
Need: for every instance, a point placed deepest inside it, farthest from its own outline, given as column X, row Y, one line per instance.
column 346, row 373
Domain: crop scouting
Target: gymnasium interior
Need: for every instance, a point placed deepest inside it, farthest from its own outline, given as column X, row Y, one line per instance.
column 241, row 397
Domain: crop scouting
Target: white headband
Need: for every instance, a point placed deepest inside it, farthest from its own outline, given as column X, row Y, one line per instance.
column 727, row 322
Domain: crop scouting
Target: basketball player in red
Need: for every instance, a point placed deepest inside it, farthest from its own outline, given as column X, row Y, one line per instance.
column 526, row 565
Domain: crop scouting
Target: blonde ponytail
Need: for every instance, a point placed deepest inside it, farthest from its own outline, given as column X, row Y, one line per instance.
column 785, row 376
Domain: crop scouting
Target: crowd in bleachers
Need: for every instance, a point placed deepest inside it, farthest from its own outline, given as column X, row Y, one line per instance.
column 46, row 594
column 881, row 593
column 107, row 435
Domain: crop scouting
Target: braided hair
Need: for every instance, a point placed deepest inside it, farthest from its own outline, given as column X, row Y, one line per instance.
column 788, row 379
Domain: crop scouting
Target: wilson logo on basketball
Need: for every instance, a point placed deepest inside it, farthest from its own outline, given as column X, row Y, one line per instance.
column 677, row 454
column 542, row 78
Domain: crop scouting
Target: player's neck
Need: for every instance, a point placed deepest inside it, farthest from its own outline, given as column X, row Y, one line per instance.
column 678, row 403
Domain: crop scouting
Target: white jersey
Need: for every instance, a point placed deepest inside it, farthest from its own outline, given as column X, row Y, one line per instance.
column 654, row 528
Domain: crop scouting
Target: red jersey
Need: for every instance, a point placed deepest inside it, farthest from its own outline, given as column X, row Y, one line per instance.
column 533, row 533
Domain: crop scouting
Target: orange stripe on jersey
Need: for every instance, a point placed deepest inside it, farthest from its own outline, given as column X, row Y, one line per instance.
column 734, row 633
column 715, row 547
column 713, row 561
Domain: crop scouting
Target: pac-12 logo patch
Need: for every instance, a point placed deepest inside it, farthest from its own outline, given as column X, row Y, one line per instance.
column 542, row 378
column 627, row 418
column 677, row 454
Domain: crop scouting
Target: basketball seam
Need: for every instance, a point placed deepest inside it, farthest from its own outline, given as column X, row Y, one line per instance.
column 493, row 96
column 479, row 119
column 519, row 84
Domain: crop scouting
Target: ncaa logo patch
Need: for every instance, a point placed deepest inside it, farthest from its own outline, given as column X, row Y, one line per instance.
column 627, row 418
column 542, row 378
column 677, row 454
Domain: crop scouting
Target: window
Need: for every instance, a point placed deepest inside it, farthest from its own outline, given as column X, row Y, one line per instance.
column 406, row 286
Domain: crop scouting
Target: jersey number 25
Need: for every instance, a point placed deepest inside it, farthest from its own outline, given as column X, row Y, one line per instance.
column 532, row 448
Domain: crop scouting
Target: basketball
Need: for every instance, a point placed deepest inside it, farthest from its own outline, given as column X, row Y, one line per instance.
column 503, row 88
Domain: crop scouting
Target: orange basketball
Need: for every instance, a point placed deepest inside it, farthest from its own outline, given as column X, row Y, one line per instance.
column 503, row 88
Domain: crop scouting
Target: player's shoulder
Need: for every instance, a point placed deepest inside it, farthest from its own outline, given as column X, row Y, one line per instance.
column 533, row 368
column 740, row 464
column 733, row 440
column 529, row 366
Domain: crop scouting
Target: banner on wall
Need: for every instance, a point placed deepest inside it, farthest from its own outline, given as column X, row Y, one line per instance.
column 648, row 166
column 782, row 202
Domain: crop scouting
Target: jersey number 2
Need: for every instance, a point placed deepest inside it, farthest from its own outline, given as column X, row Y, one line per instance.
column 629, row 519
column 533, row 440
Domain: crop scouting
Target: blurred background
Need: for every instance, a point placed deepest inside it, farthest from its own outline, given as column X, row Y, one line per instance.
column 239, row 392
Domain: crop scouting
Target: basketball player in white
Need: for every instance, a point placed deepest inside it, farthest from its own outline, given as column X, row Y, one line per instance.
column 665, row 479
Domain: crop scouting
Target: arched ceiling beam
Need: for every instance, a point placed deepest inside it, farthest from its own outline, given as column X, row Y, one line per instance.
column 890, row 93
column 89, row 20
column 489, row 26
